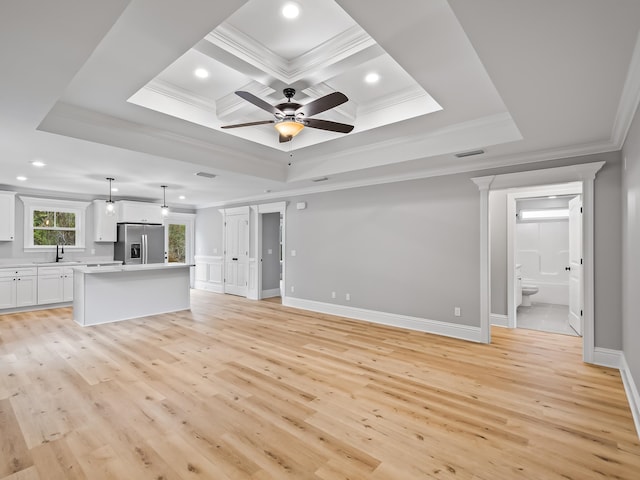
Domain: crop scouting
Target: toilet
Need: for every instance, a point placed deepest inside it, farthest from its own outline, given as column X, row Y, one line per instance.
column 527, row 291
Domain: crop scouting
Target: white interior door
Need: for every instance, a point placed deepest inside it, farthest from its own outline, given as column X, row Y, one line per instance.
column 575, row 264
column 236, row 257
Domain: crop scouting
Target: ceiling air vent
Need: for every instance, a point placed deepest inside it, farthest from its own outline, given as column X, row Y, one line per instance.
column 469, row 154
column 206, row 175
column 323, row 179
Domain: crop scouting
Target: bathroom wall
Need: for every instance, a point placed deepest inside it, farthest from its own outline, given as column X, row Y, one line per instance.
column 542, row 248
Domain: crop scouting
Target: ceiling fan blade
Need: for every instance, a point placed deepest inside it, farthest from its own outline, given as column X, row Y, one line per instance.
column 263, row 122
column 284, row 139
column 258, row 102
column 323, row 104
column 328, row 125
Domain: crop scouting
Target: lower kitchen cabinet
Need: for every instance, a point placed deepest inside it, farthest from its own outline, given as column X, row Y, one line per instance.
column 18, row 287
column 55, row 285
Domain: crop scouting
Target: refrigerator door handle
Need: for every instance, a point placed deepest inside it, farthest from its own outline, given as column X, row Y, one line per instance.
column 144, row 249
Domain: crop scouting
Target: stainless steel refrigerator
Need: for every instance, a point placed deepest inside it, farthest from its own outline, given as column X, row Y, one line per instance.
column 139, row 243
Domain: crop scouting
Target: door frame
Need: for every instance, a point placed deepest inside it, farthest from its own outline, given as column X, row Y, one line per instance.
column 512, row 196
column 585, row 173
column 255, row 280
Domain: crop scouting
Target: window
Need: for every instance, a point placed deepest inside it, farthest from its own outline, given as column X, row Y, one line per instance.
column 51, row 222
column 177, row 243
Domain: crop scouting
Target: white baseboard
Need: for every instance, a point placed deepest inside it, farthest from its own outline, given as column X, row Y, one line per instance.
column 630, row 387
column 499, row 320
column 208, row 287
column 463, row 332
column 273, row 292
column 605, row 357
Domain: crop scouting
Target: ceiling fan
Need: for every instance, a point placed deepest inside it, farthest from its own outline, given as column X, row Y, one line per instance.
column 291, row 117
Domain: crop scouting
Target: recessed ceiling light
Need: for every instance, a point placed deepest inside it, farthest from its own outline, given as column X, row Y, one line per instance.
column 182, row 197
column 22, row 178
column 38, row 163
column 114, row 189
column 201, row 73
column 552, row 196
column 290, row 11
column 372, row 77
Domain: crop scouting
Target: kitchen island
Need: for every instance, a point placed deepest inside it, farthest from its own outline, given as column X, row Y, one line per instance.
column 113, row 293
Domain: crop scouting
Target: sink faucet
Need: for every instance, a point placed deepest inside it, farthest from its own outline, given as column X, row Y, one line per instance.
column 59, row 253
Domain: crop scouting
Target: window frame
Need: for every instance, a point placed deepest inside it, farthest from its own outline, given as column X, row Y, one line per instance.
column 31, row 204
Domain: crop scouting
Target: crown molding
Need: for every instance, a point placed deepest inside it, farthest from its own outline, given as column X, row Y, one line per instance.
column 247, row 49
column 451, row 169
column 176, row 93
column 629, row 100
column 344, row 45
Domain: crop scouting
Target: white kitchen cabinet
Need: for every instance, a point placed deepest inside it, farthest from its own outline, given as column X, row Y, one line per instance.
column 104, row 226
column 138, row 212
column 55, row 285
column 67, row 294
column 7, row 216
column 18, row 287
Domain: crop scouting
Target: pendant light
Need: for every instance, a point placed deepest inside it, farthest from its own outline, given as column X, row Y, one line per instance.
column 110, row 210
column 165, row 209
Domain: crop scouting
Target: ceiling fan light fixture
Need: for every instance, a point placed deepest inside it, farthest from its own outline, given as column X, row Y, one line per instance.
column 289, row 128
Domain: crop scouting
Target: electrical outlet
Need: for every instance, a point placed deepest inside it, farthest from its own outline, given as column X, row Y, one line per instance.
column 269, row 251
column 292, row 289
column 347, row 297
column 333, row 294
column 293, row 253
column 456, row 311
column 93, row 251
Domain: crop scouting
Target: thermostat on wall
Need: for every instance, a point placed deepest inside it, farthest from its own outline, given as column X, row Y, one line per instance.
column 301, row 205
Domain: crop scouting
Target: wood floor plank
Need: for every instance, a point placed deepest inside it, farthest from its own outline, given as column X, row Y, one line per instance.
column 239, row 389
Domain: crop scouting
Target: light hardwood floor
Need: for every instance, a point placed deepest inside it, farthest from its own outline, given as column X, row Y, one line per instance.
column 239, row 389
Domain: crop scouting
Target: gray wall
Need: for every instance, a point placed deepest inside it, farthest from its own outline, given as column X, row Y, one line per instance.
column 607, row 241
column 270, row 241
column 498, row 232
column 412, row 248
column 631, row 249
column 15, row 249
column 407, row 248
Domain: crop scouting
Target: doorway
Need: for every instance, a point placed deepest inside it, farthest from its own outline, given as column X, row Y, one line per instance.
column 585, row 174
column 545, row 250
column 271, row 256
column 179, row 239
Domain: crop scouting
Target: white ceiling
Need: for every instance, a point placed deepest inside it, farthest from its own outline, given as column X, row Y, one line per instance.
column 106, row 89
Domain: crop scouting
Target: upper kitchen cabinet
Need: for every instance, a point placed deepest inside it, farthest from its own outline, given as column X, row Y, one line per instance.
column 138, row 212
column 8, row 216
column 104, row 225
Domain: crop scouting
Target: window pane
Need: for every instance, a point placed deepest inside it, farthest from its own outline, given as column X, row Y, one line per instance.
column 53, row 237
column 43, row 219
column 66, row 220
column 177, row 247
column 44, row 237
column 68, row 238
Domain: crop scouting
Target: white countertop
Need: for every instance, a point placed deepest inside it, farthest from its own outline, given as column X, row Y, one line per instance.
column 129, row 268
column 24, row 264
